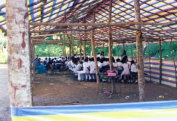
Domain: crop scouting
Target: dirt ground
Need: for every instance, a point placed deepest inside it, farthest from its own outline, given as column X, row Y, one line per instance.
column 64, row 89
column 4, row 95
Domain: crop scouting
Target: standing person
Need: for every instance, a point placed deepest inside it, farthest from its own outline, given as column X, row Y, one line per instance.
column 102, row 55
column 124, row 58
column 133, row 70
column 36, row 60
column 92, row 68
column 84, row 71
column 126, row 72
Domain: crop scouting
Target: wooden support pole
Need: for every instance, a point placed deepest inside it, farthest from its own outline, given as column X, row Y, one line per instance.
column 132, row 51
column 64, row 49
column 103, row 47
column 96, row 48
column 80, row 45
column 123, row 46
column 70, row 46
column 85, row 54
column 72, row 50
column 139, row 46
column 110, row 36
column 149, row 60
column 110, row 47
column 160, row 66
column 80, row 48
column 174, row 61
column 93, row 52
column 32, row 51
column 85, row 34
column 19, row 77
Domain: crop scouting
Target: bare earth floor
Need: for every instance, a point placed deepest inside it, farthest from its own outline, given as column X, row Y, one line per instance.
column 4, row 99
column 63, row 89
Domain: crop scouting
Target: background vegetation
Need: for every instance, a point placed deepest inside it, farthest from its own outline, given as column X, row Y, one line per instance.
column 49, row 50
column 3, row 50
column 151, row 50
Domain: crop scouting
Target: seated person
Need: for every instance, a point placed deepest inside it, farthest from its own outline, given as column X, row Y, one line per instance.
column 100, row 63
column 106, row 62
column 40, row 68
column 49, row 65
column 114, row 62
column 119, row 64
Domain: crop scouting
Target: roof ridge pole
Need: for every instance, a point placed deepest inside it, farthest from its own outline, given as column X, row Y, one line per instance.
column 139, row 46
column 19, row 76
column 94, row 54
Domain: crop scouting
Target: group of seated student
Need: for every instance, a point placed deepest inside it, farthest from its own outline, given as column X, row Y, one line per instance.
column 48, row 64
column 86, row 69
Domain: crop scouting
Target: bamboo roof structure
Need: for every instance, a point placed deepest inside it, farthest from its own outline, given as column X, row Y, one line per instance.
column 159, row 19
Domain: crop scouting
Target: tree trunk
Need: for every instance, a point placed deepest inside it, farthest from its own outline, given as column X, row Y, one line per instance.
column 19, row 76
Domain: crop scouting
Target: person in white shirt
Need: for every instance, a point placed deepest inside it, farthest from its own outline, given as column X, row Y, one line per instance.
column 106, row 62
column 133, row 70
column 84, row 71
column 126, row 71
column 114, row 62
column 92, row 68
column 100, row 63
column 78, row 67
column 119, row 64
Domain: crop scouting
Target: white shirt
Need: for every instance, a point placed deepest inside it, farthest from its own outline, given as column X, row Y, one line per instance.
column 133, row 68
column 126, row 69
column 85, row 67
column 92, row 67
column 114, row 64
column 78, row 67
column 105, row 63
column 119, row 64
column 100, row 65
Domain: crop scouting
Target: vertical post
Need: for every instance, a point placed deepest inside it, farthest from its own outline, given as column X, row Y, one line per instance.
column 110, row 36
column 64, row 50
column 18, row 53
column 160, row 66
column 85, row 54
column 132, row 51
column 139, row 45
column 93, row 52
column 70, row 46
column 110, row 46
column 71, row 40
column 32, row 51
column 174, row 61
column 103, row 47
column 149, row 60
column 80, row 49
column 123, row 46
